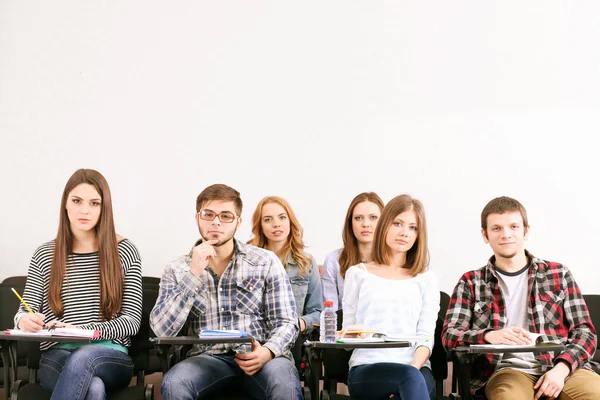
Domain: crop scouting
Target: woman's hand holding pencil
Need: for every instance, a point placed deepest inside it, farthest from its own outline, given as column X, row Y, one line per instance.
column 32, row 322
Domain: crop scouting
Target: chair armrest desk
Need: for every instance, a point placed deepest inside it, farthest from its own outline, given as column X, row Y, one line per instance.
column 163, row 343
column 463, row 357
column 8, row 340
column 316, row 352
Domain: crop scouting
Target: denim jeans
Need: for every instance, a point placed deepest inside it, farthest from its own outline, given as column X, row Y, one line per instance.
column 380, row 380
column 205, row 375
column 87, row 372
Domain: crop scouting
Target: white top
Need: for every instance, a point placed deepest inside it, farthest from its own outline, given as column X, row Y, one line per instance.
column 402, row 308
column 333, row 283
column 514, row 292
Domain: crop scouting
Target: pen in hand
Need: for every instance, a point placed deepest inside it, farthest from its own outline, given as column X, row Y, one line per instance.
column 22, row 301
column 37, row 325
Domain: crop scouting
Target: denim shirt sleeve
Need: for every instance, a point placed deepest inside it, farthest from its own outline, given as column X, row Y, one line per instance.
column 280, row 309
column 314, row 299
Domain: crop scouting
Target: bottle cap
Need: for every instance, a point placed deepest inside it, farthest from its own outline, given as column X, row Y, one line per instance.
column 328, row 303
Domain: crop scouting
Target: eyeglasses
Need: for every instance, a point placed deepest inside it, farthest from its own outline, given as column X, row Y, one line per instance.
column 209, row 215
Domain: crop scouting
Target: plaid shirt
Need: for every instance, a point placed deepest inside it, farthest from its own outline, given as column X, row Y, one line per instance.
column 253, row 294
column 555, row 308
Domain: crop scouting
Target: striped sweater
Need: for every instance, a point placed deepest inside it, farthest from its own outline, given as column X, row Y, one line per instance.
column 81, row 292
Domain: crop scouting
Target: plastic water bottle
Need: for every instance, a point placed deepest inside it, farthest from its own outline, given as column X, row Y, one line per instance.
column 328, row 326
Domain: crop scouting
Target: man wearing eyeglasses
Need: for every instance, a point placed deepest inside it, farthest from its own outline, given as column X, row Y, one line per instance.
column 225, row 284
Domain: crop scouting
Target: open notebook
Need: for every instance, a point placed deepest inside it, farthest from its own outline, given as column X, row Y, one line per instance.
column 62, row 332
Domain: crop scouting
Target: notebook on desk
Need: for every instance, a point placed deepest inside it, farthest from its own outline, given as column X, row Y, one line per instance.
column 222, row 333
column 382, row 337
column 59, row 332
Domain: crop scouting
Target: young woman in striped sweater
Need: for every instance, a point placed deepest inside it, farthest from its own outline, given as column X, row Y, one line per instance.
column 88, row 278
column 396, row 294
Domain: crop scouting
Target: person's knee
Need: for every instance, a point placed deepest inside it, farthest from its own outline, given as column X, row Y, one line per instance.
column 96, row 391
column 178, row 383
column 84, row 356
column 282, row 379
column 511, row 385
column 413, row 374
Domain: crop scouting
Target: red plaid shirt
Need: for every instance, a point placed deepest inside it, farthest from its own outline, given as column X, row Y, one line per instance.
column 555, row 308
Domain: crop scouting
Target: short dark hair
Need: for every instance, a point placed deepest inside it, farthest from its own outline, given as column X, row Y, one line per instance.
column 501, row 205
column 219, row 191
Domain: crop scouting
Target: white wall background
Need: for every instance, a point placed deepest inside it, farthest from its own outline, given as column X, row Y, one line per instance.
column 316, row 101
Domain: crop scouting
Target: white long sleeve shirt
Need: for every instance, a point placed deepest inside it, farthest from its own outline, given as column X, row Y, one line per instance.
column 402, row 308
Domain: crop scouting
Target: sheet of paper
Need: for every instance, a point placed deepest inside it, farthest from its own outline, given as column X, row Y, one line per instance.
column 63, row 332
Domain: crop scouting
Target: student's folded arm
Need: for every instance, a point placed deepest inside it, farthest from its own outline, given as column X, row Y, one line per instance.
column 127, row 322
column 331, row 268
column 175, row 300
column 430, row 297
column 280, row 309
column 352, row 284
column 581, row 342
column 457, row 325
column 314, row 299
column 34, row 289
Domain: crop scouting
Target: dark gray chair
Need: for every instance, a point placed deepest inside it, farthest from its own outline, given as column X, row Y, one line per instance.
column 593, row 304
column 10, row 305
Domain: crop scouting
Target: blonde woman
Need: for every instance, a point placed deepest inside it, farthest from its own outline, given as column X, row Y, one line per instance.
column 276, row 228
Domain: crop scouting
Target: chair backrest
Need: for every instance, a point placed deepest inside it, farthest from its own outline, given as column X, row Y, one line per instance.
column 9, row 304
column 439, row 358
column 593, row 304
column 15, row 280
column 150, row 289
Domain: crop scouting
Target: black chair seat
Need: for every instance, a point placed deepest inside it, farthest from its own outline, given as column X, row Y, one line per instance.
column 29, row 391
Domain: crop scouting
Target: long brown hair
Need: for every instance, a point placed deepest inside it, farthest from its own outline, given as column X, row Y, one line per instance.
column 294, row 245
column 349, row 255
column 417, row 258
column 111, row 271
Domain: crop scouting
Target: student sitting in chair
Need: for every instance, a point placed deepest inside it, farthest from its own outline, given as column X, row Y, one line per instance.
column 513, row 295
column 359, row 227
column 276, row 228
column 395, row 294
column 225, row 284
column 89, row 278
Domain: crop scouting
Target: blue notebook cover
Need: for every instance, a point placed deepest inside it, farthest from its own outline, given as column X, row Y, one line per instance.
column 227, row 333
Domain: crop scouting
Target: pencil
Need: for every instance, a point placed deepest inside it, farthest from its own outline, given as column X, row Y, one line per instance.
column 22, row 301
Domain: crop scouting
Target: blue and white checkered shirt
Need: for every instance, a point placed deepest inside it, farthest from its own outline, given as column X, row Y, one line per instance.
column 253, row 294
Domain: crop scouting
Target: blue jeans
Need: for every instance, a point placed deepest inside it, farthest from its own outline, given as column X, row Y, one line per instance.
column 380, row 380
column 87, row 372
column 205, row 375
